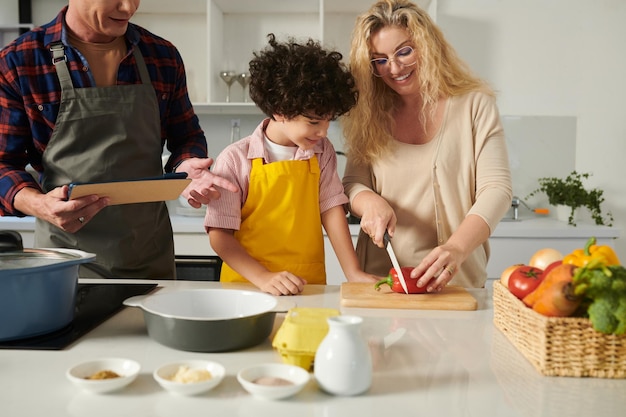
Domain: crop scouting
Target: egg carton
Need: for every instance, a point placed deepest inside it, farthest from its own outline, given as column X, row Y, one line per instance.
column 301, row 333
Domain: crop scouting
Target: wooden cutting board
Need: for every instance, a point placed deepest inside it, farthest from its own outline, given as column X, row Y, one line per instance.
column 363, row 295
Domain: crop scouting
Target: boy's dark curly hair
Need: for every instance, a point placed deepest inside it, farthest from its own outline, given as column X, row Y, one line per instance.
column 292, row 79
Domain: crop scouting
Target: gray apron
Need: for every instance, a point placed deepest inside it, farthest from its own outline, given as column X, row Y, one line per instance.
column 104, row 134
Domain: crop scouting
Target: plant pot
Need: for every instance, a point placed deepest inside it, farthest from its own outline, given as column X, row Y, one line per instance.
column 563, row 213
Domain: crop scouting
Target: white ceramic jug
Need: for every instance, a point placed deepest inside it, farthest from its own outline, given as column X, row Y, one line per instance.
column 343, row 363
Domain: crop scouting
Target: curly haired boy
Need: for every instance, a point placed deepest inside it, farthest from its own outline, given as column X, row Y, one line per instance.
column 270, row 232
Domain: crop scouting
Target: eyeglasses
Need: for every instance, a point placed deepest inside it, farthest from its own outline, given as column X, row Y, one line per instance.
column 403, row 57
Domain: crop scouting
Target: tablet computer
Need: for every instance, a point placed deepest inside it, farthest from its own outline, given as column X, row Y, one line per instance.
column 142, row 190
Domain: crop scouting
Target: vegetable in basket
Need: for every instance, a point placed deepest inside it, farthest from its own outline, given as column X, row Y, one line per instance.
column 524, row 280
column 603, row 254
column 604, row 292
column 555, row 297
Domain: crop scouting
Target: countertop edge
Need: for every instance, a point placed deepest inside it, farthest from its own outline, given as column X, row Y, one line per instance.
column 525, row 228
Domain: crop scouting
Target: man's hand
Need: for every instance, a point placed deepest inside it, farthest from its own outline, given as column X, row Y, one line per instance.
column 205, row 186
column 53, row 207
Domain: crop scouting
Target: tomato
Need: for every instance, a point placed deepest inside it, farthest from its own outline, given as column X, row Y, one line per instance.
column 550, row 268
column 544, row 257
column 504, row 277
column 524, row 280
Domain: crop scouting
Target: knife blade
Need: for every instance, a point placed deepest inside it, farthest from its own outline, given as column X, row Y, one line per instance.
column 394, row 261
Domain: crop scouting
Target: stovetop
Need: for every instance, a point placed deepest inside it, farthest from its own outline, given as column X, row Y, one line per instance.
column 95, row 303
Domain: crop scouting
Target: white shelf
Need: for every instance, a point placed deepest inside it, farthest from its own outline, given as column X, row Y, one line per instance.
column 169, row 6
column 16, row 27
column 268, row 6
column 217, row 35
column 9, row 32
column 226, row 108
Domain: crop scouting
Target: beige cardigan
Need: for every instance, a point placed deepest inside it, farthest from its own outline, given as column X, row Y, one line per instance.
column 469, row 174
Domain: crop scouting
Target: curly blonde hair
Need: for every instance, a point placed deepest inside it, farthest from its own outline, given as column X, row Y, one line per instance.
column 368, row 126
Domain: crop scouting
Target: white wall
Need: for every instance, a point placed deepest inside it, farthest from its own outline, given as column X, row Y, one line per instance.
column 555, row 58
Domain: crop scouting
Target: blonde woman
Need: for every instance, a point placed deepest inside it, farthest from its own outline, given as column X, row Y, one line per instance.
column 427, row 159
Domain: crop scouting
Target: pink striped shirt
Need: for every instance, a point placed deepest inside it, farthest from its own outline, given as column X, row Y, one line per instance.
column 235, row 162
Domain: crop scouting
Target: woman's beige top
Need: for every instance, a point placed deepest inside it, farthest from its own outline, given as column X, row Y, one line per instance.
column 432, row 187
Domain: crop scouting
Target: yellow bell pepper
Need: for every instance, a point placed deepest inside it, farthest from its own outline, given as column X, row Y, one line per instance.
column 603, row 255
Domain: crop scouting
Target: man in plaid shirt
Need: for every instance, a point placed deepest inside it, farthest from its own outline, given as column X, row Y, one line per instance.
column 91, row 97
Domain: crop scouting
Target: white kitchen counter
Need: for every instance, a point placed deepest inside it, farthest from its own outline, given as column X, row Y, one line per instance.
column 512, row 242
column 180, row 224
column 189, row 235
column 547, row 228
column 426, row 363
column 539, row 228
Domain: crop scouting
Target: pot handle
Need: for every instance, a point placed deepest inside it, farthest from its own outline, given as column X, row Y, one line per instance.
column 136, row 301
column 10, row 241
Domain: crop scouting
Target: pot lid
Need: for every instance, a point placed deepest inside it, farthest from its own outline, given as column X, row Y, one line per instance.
column 29, row 258
column 14, row 256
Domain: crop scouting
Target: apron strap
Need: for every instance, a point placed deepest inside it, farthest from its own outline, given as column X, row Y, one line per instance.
column 314, row 166
column 141, row 64
column 59, row 60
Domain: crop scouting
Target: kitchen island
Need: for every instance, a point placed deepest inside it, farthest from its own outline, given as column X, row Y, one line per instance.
column 426, row 363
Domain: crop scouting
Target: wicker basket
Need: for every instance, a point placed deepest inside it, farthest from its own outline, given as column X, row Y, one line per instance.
column 558, row 346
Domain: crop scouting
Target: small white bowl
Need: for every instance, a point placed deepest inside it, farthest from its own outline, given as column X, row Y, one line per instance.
column 126, row 368
column 295, row 375
column 163, row 375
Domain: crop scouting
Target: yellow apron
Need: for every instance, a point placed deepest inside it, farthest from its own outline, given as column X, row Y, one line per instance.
column 281, row 224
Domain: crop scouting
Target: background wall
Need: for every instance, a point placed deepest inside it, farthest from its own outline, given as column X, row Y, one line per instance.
column 555, row 58
column 559, row 72
column 558, row 67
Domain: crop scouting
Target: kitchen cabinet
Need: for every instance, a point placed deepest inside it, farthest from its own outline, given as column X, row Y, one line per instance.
column 189, row 236
column 190, row 240
column 334, row 273
column 217, row 35
column 511, row 242
column 15, row 19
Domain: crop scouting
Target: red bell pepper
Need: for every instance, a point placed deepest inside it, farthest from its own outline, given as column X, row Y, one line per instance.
column 394, row 282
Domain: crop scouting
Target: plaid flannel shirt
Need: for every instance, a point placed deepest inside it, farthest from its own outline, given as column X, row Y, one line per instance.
column 30, row 95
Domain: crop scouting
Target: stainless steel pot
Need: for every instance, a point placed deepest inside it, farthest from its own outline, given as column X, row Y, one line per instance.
column 207, row 320
column 37, row 287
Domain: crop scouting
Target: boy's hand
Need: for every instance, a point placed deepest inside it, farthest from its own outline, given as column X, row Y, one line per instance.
column 282, row 283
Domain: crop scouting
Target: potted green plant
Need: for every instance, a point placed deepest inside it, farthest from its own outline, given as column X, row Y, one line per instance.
column 571, row 192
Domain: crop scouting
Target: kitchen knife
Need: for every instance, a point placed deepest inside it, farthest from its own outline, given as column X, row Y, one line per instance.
column 394, row 261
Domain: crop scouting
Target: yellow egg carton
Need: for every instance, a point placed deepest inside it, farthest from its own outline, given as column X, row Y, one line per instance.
column 299, row 336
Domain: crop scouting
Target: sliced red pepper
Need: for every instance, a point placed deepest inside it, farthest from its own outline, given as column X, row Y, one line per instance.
column 394, row 282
